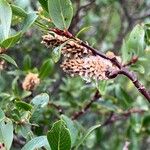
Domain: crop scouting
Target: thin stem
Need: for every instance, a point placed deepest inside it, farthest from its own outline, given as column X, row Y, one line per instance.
column 76, row 115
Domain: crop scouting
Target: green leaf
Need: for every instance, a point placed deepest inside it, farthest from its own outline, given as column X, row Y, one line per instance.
column 27, row 63
column 135, row 41
column 11, row 41
column 147, row 36
column 138, row 68
column 41, row 100
column 83, row 30
column 71, row 126
column 23, row 105
column 108, row 105
column 36, row 143
column 44, row 4
column 90, row 130
column 5, row 18
column 2, row 115
column 124, row 98
column 45, row 69
column 6, row 133
column 102, row 86
column 29, row 20
column 18, row 11
column 56, row 54
column 59, row 137
column 8, row 59
column 61, row 13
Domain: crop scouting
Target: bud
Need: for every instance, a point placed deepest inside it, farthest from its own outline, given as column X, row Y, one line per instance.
column 70, row 49
column 30, row 82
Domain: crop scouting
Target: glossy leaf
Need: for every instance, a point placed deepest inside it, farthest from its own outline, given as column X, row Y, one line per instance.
column 135, row 41
column 71, row 126
column 61, row 13
column 18, row 11
column 11, row 41
column 41, row 100
column 5, row 17
column 59, row 137
column 44, row 4
column 89, row 131
column 45, row 69
column 2, row 115
column 8, row 59
column 36, row 143
column 23, row 105
column 83, row 30
column 29, row 20
column 6, row 133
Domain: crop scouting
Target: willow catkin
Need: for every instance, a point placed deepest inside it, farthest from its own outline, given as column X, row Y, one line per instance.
column 78, row 60
column 2, row 50
column 30, row 82
column 93, row 67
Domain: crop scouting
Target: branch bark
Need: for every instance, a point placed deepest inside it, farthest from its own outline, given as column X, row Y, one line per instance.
column 76, row 115
column 123, row 70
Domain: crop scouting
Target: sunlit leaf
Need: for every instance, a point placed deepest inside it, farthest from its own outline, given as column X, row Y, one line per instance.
column 59, row 137
column 61, row 13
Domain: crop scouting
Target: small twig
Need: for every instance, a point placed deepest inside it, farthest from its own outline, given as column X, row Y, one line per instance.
column 77, row 17
column 132, row 61
column 76, row 115
column 19, row 141
column 113, row 117
column 59, row 108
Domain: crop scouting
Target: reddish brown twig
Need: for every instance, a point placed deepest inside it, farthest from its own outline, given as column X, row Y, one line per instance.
column 76, row 115
column 113, row 117
column 121, row 69
column 132, row 61
column 59, row 108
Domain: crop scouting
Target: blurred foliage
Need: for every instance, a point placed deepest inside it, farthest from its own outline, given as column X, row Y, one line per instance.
column 42, row 117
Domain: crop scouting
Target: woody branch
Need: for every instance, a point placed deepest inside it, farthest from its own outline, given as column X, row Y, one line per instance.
column 122, row 69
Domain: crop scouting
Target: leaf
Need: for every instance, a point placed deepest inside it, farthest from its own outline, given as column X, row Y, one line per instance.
column 2, row 115
column 71, row 126
column 138, row 68
column 147, row 36
column 59, row 137
column 135, row 41
column 44, row 4
column 83, row 30
column 56, row 54
column 36, row 143
column 45, row 69
column 18, row 11
column 124, row 98
column 90, row 130
column 8, row 59
column 61, row 13
column 6, row 133
column 23, row 105
column 11, row 41
column 126, row 56
column 5, row 18
column 27, row 63
column 108, row 105
column 102, row 86
column 41, row 100
column 29, row 20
